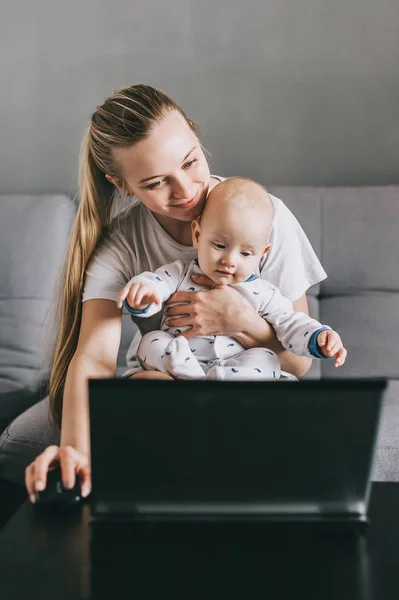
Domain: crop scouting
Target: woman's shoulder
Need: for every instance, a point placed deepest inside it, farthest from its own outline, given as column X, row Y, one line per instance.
column 281, row 209
column 125, row 210
column 125, row 220
column 218, row 178
column 117, row 242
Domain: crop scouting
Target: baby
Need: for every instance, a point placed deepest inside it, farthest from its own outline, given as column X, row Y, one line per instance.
column 230, row 237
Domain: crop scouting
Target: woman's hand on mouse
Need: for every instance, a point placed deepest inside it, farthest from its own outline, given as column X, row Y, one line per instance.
column 209, row 312
column 72, row 463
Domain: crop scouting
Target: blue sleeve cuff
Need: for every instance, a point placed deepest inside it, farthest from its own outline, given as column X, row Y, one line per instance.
column 135, row 311
column 314, row 347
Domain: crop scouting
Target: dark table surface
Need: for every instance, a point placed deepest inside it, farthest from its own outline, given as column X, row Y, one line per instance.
column 47, row 556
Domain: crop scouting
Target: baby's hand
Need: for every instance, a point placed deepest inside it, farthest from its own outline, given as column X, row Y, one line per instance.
column 330, row 345
column 137, row 295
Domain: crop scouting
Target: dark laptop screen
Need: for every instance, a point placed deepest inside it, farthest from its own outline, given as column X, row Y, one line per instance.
column 184, row 443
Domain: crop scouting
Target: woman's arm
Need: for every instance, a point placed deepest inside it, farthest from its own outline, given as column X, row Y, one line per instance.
column 95, row 356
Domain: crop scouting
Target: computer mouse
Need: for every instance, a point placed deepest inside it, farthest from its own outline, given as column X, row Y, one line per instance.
column 55, row 494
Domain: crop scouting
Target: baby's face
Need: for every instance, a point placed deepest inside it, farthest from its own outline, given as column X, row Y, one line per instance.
column 230, row 244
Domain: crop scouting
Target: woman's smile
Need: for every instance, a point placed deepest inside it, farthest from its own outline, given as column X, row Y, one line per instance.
column 186, row 203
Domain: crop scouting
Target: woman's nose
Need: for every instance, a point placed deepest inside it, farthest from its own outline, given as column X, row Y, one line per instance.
column 182, row 188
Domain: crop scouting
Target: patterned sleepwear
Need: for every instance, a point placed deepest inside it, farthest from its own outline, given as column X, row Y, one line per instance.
column 221, row 357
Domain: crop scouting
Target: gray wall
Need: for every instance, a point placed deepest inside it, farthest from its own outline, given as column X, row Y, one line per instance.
column 285, row 91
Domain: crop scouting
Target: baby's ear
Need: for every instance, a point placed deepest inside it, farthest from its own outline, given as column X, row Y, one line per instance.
column 266, row 250
column 196, row 231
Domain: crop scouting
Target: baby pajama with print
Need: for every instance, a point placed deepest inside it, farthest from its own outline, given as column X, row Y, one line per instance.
column 221, row 357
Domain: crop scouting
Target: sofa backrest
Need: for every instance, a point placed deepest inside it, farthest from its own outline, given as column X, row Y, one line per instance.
column 34, row 231
column 355, row 233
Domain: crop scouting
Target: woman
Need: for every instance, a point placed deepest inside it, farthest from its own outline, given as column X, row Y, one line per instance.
column 141, row 144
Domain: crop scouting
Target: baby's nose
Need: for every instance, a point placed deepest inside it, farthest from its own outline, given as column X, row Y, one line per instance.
column 228, row 260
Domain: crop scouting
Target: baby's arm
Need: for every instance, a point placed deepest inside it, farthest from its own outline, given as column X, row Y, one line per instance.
column 145, row 294
column 298, row 332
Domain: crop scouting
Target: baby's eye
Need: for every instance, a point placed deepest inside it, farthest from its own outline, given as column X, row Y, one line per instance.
column 219, row 246
column 153, row 185
column 246, row 253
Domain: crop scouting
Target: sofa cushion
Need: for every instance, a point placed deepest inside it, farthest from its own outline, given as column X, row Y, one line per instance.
column 386, row 463
column 360, row 239
column 33, row 235
column 369, row 325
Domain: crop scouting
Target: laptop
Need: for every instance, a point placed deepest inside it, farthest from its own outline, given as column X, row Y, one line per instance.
column 206, row 451
column 231, row 490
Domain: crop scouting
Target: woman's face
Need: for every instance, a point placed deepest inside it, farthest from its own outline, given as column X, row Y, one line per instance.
column 167, row 171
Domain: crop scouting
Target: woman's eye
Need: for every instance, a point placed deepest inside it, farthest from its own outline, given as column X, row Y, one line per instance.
column 189, row 164
column 153, row 185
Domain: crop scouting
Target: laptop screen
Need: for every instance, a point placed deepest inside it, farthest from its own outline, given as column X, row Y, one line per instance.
column 245, row 446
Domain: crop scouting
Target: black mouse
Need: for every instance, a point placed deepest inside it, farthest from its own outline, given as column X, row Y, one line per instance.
column 55, row 494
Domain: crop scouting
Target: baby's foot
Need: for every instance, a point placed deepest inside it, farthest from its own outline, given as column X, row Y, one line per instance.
column 180, row 361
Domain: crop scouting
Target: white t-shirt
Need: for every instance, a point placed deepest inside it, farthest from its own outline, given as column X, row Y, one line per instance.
column 137, row 243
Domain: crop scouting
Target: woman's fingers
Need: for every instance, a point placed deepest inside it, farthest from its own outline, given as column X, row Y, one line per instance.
column 72, row 463
column 85, row 473
column 185, row 297
column 36, row 472
column 179, row 321
column 68, row 464
column 203, row 280
column 42, row 464
column 190, row 333
column 209, row 312
column 30, row 481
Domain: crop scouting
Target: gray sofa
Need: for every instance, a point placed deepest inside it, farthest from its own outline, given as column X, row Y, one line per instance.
column 353, row 230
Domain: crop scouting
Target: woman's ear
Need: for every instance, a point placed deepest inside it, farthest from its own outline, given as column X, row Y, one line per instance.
column 115, row 182
column 196, row 231
column 266, row 250
column 119, row 186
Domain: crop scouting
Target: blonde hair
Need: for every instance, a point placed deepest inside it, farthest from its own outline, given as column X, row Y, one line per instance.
column 124, row 119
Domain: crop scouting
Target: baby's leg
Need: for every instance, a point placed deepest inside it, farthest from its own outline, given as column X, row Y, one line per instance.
column 151, row 350
column 180, row 361
column 256, row 363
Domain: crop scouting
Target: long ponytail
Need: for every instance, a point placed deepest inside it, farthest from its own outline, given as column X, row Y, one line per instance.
column 123, row 120
column 93, row 216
